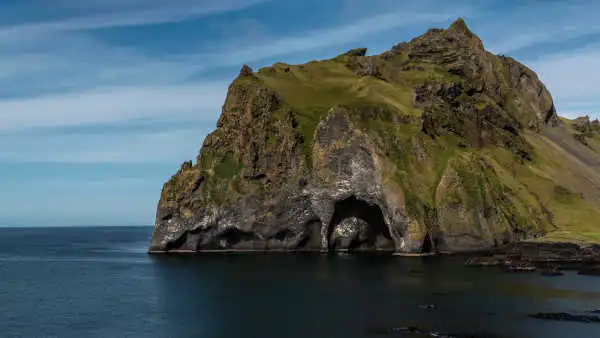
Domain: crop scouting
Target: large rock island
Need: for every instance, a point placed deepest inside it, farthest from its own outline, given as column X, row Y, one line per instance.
column 435, row 145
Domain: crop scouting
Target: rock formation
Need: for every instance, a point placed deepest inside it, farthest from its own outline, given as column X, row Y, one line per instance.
column 585, row 129
column 435, row 145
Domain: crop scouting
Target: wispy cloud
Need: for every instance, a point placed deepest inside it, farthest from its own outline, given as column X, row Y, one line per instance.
column 531, row 24
column 70, row 88
column 114, row 105
column 333, row 36
column 541, row 35
column 128, row 13
column 84, row 81
column 573, row 78
column 148, row 147
column 77, row 62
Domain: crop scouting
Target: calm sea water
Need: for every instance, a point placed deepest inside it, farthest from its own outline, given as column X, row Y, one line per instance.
column 99, row 282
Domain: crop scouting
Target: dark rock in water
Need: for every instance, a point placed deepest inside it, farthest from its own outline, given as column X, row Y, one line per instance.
column 406, row 329
column 550, row 258
column 597, row 311
column 563, row 316
column 467, row 335
column 590, row 271
column 550, row 272
column 520, row 267
column 483, row 261
column 428, row 307
column 418, row 331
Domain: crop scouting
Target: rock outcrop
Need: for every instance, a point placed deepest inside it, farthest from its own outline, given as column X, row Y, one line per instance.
column 585, row 129
column 423, row 148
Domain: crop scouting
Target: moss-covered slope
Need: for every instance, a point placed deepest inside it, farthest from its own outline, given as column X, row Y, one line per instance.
column 436, row 144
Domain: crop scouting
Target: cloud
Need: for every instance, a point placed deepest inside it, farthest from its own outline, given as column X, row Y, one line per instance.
column 540, row 35
column 76, row 62
column 129, row 13
column 531, row 24
column 150, row 146
column 77, row 80
column 80, row 64
column 573, row 78
column 198, row 101
column 331, row 36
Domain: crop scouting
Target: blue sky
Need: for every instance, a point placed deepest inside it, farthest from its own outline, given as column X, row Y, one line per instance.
column 101, row 100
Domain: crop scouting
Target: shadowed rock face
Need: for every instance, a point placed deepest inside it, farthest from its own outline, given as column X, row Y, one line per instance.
column 357, row 225
column 388, row 152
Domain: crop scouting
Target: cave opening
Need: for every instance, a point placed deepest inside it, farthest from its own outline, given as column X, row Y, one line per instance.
column 427, row 246
column 375, row 236
column 233, row 236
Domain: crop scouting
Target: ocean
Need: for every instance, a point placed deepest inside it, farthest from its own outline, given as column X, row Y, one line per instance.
column 100, row 282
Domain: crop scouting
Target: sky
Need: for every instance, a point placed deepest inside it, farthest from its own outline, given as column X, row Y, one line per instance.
column 102, row 100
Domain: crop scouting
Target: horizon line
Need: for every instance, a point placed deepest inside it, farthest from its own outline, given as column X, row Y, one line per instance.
column 4, row 226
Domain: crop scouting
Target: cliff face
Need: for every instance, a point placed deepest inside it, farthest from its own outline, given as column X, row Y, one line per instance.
column 436, row 144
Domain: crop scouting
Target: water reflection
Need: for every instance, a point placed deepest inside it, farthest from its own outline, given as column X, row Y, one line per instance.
column 313, row 295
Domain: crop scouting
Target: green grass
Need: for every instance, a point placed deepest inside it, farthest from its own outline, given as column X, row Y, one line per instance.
column 525, row 193
column 551, row 180
column 312, row 89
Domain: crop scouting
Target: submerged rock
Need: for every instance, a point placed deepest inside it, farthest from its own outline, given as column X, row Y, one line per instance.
column 520, row 267
column 428, row 307
column 551, row 272
column 419, row 331
column 483, row 261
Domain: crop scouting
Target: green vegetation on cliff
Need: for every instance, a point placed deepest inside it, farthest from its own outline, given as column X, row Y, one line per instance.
column 470, row 138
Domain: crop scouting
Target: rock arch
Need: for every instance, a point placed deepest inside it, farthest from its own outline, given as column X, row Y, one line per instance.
column 357, row 225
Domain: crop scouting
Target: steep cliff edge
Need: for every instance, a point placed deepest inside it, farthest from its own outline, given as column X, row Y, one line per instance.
column 435, row 145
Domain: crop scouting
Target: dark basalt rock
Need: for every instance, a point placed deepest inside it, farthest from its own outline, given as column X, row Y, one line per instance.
column 357, row 52
column 348, row 233
column 568, row 317
column 483, row 261
column 246, row 71
column 549, row 258
column 401, row 331
column 590, row 271
column 551, row 272
column 428, row 307
column 520, row 267
column 367, row 167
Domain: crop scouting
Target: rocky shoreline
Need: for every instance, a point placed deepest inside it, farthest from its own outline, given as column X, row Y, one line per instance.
column 550, row 259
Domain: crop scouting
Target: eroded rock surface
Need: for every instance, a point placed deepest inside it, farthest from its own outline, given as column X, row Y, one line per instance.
column 415, row 150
